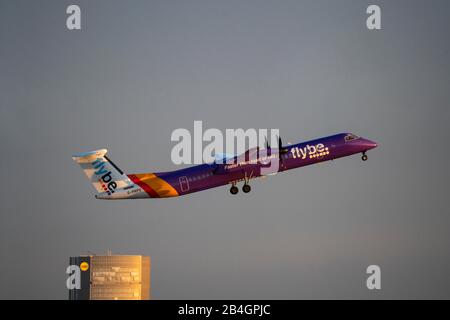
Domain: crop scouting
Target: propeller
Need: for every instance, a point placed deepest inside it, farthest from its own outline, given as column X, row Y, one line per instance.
column 281, row 149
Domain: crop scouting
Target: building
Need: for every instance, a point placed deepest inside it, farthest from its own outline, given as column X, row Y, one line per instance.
column 112, row 277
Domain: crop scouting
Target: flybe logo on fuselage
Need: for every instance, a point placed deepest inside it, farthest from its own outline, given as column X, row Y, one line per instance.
column 316, row 151
column 106, row 179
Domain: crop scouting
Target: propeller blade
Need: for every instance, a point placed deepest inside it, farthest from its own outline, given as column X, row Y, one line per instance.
column 281, row 149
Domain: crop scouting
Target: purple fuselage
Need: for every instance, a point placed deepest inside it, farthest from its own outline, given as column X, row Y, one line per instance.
column 206, row 176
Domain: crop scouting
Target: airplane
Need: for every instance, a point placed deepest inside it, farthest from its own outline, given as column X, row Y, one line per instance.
column 111, row 183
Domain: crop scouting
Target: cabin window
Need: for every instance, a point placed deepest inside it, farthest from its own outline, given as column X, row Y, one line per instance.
column 350, row 137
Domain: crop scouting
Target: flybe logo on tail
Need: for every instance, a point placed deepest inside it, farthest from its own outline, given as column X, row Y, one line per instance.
column 105, row 179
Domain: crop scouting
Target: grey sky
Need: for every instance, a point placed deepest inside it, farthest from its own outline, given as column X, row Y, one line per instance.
column 137, row 71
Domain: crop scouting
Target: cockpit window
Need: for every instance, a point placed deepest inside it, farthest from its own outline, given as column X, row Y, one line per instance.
column 350, row 137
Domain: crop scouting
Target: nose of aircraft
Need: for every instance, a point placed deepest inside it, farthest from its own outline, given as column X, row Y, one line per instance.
column 368, row 144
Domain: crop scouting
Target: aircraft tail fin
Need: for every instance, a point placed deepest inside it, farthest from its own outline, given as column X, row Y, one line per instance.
column 103, row 174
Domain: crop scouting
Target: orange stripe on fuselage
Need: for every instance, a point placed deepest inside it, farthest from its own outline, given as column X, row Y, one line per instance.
column 152, row 193
column 154, row 185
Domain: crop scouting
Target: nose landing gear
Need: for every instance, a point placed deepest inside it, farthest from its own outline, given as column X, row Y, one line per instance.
column 364, row 157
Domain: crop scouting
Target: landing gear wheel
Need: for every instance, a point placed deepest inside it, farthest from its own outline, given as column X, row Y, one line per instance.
column 364, row 157
column 234, row 190
column 246, row 188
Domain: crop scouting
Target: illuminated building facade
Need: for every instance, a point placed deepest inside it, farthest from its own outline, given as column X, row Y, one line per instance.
column 112, row 277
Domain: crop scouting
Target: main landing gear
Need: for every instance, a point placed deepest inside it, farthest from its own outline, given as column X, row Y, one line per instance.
column 245, row 188
column 364, row 157
column 234, row 189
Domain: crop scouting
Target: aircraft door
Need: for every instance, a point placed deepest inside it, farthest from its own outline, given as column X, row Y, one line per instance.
column 184, row 184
